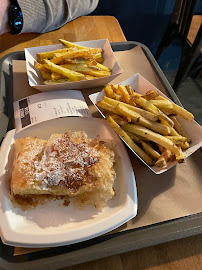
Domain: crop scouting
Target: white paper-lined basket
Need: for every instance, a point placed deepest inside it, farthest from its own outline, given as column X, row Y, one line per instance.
column 35, row 79
column 194, row 130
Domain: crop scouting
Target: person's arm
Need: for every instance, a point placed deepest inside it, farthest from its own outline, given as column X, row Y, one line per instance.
column 4, row 26
column 46, row 15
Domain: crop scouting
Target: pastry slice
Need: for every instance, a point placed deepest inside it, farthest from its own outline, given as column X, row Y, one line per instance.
column 67, row 164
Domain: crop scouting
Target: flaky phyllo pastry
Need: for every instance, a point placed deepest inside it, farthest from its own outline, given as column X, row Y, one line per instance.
column 67, row 164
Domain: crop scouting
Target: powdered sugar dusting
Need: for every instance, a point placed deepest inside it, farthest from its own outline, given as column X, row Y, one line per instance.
column 66, row 161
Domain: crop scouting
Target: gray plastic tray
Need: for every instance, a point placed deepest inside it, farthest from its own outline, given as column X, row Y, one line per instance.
column 106, row 245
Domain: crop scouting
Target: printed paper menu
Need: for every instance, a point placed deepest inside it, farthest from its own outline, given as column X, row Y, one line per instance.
column 49, row 105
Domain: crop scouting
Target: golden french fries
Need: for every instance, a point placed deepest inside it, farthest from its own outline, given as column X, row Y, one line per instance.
column 129, row 141
column 107, row 107
column 130, row 90
column 122, row 89
column 151, row 108
column 73, row 54
column 152, row 136
column 162, row 104
column 144, row 113
column 45, row 73
column 150, row 95
column 166, row 156
column 50, row 82
column 69, row 44
column 177, row 139
column 71, row 63
column 109, row 91
column 150, row 150
column 138, row 119
column 180, row 157
column 141, row 122
column 120, row 120
column 179, row 128
column 179, row 110
column 49, row 55
column 70, row 74
column 85, row 69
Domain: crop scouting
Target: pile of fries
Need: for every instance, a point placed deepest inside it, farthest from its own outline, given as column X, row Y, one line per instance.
column 147, row 123
column 72, row 63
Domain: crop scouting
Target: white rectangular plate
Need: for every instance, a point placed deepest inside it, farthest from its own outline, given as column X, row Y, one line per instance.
column 36, row 81
column 141, row 85
column 52, row 224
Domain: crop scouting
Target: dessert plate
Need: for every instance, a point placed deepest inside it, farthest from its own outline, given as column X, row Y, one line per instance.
column 53, row 224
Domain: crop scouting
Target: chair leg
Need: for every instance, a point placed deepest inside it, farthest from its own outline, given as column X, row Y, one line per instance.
column 168, row 37
column 172, row 29
column 189, row 55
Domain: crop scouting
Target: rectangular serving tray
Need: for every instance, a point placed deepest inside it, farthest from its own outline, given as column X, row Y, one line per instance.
column 106, row 245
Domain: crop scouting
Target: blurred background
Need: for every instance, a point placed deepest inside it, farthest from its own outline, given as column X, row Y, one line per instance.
column 146, row 21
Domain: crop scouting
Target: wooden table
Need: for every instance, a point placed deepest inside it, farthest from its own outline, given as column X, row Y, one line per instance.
column 182, row 254
column 84, row 28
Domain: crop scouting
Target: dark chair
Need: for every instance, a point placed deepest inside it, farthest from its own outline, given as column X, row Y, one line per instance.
column 178, row 29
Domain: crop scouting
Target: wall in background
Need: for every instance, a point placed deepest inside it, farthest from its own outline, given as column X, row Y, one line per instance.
column 145, row 21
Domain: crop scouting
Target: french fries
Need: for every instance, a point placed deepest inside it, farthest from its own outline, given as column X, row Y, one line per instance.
column 45, row 73
column 165, row 104
column 129, row 141
column 141, row 122
column 151, row 108
column 144, row 113
column 137, row 118
column 72, row 63
column 120, row 120
column 150, row 95
column 165, row 157
column 122, row 89
column 70, row 74
column 73, row 54
column 87, row 69
column 69, row 44
column 49, row 55
column 180, row 129
column 107, row 107
column 150, row 150
column 50, row 82
column 179, row 110
column 152, row 136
